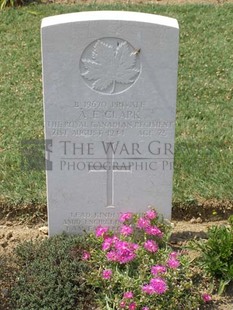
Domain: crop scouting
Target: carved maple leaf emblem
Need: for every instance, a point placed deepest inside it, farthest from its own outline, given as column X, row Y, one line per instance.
column 109, row 65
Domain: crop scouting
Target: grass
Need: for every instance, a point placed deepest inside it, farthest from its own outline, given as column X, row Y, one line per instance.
column 203, row 155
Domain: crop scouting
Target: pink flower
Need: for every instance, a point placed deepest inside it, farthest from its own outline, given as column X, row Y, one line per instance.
column 125, row 217
column 158, row 269
column 151, row 214
column 128, row 295
column 132, row 306
column 126, row 230
column 148, row 289
column 173, row 263
column 125, row 255
column 122, row 251
column 173, row 255
column 134, row 246
column 107, row 243
column 154, row 230
column 112, row 256
column 106, row 274
column 100, row 231
column 206, row 297
column 86, row 255
column 122, row 304
column 151, row 246
column 159, row 285
column 143, row 223
column 145, row 308
column 156, row 285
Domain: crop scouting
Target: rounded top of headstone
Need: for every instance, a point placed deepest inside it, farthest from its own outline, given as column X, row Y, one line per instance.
column 109, row 15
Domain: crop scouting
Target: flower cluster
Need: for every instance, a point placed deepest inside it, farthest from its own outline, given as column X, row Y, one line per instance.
column 158, row 269
column 151, row 246
column 121, row 251
column 86, row 255
column 173, row 261
column 106, row 274
column 101, row 231
column 156, row 286
column 206, row 297
column 116, row 249
column 136, row 256
column 125, row 217
column 127, row 302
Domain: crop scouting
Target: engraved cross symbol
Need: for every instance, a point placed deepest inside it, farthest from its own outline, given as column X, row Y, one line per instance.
column 111, row 170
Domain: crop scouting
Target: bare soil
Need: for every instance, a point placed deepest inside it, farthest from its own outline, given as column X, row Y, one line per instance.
column 13, row 233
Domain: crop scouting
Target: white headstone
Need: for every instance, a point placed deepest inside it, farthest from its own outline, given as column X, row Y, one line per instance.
column 110, row 82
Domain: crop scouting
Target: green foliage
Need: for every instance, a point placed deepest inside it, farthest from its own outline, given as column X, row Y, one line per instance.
column 231, row 221
column 8, row 273
column 5, row 3
column 51, row 275
column 216, row 254
column 14, row 3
